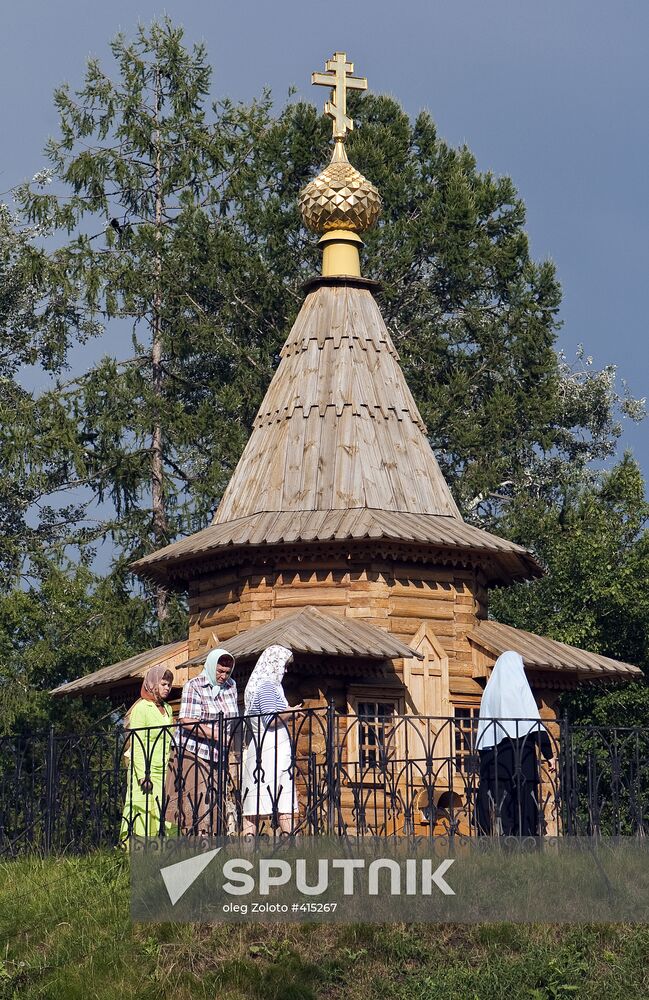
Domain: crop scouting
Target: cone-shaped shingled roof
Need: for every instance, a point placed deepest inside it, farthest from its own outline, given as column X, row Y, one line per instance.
column 338, row 449
column 338, row 427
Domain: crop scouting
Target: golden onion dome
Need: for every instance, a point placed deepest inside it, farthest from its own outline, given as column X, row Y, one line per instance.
column 339, row 198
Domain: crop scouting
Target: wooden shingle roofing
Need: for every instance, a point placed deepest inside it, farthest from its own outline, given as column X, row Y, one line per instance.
column 338, row 427
column 508, row 561
column 540, row 653
column 311, row 631
column 171, row 655
column 338, row 451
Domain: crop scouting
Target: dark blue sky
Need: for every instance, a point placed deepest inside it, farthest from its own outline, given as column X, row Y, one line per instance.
column 553, row 93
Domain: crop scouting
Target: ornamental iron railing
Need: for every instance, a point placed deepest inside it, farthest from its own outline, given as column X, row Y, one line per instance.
column 321, row 772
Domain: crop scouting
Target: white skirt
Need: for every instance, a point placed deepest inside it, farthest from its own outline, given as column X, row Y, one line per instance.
column 267, row 784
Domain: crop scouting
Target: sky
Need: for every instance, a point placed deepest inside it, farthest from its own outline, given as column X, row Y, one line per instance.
column 552, row 93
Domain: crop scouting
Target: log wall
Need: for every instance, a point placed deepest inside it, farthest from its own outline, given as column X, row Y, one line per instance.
column 397, row 597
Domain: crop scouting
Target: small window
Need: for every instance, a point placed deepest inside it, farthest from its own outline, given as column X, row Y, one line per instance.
column 376, row 736
column 465, row 729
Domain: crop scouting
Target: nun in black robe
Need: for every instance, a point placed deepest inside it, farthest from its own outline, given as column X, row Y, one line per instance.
column 509, row 741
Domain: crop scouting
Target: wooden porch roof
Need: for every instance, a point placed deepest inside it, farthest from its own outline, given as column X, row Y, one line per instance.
column 540, row 653
column 307, row 632
column 310, row 631
column 173, row 654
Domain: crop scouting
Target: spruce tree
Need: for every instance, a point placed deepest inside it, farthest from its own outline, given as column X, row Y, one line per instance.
column 38, row 436
column 136, row 161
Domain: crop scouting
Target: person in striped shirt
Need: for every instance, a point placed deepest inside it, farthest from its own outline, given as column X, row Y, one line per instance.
column 268, row 784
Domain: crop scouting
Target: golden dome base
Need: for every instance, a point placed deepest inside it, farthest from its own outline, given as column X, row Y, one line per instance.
column 340, row 253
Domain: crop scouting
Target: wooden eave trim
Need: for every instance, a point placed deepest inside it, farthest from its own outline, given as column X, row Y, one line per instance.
column 563, row 680
column 178, row 573
column 477, row 672
column 312, row 665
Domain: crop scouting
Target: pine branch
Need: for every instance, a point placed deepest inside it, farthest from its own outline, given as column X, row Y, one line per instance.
column 225, row 337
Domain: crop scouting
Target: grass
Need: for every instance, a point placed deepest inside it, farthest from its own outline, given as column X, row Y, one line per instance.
column 66, row 934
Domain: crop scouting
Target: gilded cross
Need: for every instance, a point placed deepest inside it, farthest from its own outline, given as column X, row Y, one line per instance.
column 339, row 76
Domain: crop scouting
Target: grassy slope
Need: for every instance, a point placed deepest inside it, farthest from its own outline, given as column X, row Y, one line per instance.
column 66, row 934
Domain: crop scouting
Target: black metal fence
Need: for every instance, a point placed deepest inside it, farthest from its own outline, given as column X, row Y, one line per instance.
column 321, row 772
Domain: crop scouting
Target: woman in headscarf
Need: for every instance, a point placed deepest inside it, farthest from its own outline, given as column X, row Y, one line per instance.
column 509, row 737
column 193, row 787
column 148, row 723
column 268, row 785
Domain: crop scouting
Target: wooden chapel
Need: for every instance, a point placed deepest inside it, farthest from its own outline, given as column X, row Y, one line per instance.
column 337, row 535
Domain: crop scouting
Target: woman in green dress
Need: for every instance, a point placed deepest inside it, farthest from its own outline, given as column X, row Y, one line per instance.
column 149, row 721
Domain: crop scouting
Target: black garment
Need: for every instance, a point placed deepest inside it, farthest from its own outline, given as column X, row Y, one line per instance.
column 508, row 797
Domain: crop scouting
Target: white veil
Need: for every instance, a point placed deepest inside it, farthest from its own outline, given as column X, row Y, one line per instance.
column 508, row 697
column 271, row 665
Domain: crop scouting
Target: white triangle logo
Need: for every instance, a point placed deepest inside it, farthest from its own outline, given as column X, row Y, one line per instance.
column 179, row 877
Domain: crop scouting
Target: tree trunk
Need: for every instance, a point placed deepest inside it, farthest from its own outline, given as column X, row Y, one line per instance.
column 160, row 524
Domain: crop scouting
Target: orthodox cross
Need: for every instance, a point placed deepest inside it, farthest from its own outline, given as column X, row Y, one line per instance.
column 339, row 76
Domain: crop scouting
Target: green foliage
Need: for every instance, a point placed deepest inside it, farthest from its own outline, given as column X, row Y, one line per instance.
column 596, row 548
column 595, row 545
column 34, row 432
column 132, row 158
column 61, row 629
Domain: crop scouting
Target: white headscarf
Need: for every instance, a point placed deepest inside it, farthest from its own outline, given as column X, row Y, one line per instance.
column 507, row 696
column 271, row 665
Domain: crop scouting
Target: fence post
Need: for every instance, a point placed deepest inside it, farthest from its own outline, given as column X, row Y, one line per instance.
column 50, row 786
column 331, row 765
column 566, row 776
column 221, row 763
